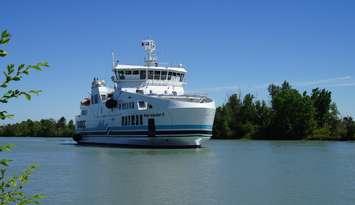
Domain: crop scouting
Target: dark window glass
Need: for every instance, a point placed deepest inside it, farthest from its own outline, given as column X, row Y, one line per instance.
column 182, row 77
column 163, row 75
column 128, row 72
column 133, row 119
column 141, row 104
column 135, row 72
column 121, row 75
column 150, row 75
column 169, row 75
column 143, row 75
column 122, row 120
column 157, row 75
column 141, row 119
column 137, row 120
column 174, row 74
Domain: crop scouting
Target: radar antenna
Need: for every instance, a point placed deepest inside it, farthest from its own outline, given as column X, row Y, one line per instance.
column 114, row 60
column 149, row 47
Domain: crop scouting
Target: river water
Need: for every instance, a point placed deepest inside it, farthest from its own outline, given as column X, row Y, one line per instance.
column 223, row 172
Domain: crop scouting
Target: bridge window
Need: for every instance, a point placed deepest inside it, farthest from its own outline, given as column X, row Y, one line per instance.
column 121, row 75
column 128, row 72
column 143, row 75
column 150, row 75
column 182, row 77
column 169, row 75
column 163, row 75
column 135, row 72
column 157, row 75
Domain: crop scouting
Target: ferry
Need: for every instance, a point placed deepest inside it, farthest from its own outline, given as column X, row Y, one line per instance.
column 146, row 106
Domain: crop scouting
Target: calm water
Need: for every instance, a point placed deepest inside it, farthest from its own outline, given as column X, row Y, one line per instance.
column 225, row 172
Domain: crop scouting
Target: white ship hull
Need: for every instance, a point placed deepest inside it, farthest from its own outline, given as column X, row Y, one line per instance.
column 177, row 123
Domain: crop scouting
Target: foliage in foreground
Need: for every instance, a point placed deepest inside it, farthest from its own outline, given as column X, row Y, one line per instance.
column 290, row 115
column 11, row 186
column 42, row 128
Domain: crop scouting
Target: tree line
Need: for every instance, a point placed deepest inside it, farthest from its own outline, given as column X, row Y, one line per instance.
column 41, row 128
column 289, row 115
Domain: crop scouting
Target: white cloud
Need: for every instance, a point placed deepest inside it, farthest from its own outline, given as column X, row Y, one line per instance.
column 343, row 81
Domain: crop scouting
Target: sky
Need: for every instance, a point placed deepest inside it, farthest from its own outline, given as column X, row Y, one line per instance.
column 227, row 46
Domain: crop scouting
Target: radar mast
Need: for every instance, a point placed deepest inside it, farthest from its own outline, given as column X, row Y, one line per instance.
column 150, row 47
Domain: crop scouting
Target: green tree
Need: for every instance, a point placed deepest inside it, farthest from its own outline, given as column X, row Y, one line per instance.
column 349, row 127
column 11, row 187
column 232, row 116
column 293, row 113
column 321, row 100
column 221, row 126
column 262, row 120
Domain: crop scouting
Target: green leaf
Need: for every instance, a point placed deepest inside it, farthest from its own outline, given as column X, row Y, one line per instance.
column 5, row 162
column 5, row 37
column 4, row 115
column 16, row 78
column 36, row 67
column 10, row 68
column 3, row 53
column 6, row 148
column 27, row 96
column 35, row 92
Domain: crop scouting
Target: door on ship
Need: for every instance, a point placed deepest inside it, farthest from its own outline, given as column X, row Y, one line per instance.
column 151, row 127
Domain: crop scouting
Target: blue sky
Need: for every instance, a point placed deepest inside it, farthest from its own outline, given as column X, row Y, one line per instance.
column 227, row 46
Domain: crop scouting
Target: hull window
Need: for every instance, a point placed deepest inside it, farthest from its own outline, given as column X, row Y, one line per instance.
column 84, row 112
column 142, row 105
column 137, row 120
column 133, row 119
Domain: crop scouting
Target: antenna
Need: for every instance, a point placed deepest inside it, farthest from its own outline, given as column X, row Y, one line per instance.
column 114, row 60
column 150, row 47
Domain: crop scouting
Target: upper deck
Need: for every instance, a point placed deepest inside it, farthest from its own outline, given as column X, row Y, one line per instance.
column 150, row 78
column 142, row 73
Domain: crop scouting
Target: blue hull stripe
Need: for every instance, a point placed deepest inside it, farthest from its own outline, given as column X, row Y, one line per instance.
column 165, row 132
column 144, row 127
